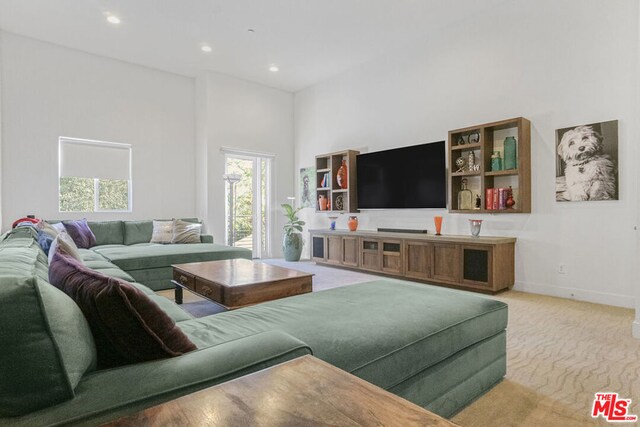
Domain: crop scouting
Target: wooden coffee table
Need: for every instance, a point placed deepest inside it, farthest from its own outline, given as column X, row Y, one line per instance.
column 236, row 283
column 302, row 392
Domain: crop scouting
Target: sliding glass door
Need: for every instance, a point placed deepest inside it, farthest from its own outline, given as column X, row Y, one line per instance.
column 248, row 188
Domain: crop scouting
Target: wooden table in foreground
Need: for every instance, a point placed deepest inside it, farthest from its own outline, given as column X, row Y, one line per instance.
column 302, row 392
column 235, row 283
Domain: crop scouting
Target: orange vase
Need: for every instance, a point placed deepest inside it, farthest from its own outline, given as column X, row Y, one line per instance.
column 322, row 202
column 437, row 220
column 352, row 223
column 341, row 176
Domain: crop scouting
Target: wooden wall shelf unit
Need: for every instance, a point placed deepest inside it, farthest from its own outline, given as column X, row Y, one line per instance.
column 485, row 264
column 490, row 138
column 329, row 164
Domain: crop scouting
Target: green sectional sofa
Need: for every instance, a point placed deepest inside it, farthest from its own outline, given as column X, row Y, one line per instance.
column 125, row 244
column 436, row 347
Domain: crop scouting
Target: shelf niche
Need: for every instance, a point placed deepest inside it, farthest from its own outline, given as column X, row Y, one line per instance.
column 328, row 165
column 490, row 138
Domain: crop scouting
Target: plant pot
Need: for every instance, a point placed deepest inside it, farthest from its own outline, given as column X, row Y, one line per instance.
column 292, row 246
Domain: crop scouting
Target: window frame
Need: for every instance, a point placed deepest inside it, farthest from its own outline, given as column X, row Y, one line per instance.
column 96, row 181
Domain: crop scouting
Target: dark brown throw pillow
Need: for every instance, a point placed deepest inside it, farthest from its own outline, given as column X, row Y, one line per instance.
column 80, row 232
column 127, row 326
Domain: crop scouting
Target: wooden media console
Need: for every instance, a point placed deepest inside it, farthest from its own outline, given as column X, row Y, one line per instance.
column 485, row 264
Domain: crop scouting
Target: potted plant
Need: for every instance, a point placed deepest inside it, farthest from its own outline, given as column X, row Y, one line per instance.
column 292, row 241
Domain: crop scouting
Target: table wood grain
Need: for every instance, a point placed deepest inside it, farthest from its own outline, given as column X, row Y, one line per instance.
column 303, row 392
column 236, row 283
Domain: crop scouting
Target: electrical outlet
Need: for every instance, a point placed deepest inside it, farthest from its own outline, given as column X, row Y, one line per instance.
column 562, row 269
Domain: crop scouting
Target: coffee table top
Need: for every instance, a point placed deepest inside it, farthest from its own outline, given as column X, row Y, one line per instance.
column 304, row 391
column 239, row 272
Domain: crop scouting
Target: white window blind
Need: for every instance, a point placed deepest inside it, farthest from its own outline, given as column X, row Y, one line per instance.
column 93, row 159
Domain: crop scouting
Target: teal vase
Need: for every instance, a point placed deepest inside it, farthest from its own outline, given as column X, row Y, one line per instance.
column 510, row 155
column 292, row 246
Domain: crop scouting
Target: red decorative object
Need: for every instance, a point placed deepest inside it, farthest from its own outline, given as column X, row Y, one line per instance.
column 341, row 176
column 510, row 201
column 352, row 223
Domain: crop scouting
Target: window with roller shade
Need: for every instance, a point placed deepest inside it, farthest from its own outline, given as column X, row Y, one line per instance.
column 94, row 176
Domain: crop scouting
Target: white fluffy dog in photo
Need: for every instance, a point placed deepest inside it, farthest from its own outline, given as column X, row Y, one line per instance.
column 590, row 174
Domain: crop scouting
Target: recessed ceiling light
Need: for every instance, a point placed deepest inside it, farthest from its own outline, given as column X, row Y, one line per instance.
column 274, row 68
column 251, row 30
column 113, row 19
column 206, row 48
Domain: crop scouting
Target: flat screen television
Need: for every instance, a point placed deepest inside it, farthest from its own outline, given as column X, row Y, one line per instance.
column 403, row 178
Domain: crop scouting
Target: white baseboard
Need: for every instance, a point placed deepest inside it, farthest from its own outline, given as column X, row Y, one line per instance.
column 617, row 300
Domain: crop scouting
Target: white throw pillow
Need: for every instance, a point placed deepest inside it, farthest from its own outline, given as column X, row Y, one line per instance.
column 48, row 228
column 162, row 232
column 186, row 232
column 66, row 244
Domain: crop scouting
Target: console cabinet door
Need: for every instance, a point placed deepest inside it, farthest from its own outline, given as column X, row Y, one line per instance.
column 477, row 262
column 350, row 251
column 391, row 261
column 446, row 262
column 334, row 249
column 370, row 254
column 318, row 248
column 418, row 257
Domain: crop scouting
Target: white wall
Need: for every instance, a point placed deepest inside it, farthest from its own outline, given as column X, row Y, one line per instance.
column 50, row 91
column 245, row 116
column 556, row 63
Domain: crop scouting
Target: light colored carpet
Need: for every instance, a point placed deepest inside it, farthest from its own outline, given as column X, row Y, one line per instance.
column 560, row 353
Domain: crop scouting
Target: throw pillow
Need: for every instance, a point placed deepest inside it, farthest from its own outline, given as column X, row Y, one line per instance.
column 59, row 226
column 162, row 232
column 64, row 241
column 80, row 232
column 44, row 240
column 127, row 326
column 186, row 232
column 48, row 228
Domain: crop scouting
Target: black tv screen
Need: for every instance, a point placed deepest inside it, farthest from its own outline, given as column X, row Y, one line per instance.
column 403, row 178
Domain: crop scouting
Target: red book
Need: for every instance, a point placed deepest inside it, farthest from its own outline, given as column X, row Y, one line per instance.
column 496, row 199
column 502, row 198
column 488, row 199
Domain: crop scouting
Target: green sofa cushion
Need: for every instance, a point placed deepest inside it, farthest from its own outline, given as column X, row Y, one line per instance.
column 141, row 231
column 356, row 328
column 137, row 232
column 20, row 255
column 97, row 262
column 50, row 344
column 109, row 394
column 151, row 255
column 108, row 232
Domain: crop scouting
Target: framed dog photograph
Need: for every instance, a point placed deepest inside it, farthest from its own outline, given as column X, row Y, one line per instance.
column 587, row 162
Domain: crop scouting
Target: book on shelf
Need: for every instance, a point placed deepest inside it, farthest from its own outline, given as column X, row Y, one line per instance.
column 488, row 199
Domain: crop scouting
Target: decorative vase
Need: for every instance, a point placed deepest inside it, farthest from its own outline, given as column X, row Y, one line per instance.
column 292, row 246
column 352, row 223
column 341, row 176
column 465, row 197
column 510, row 156
column 496, row 161
column 510, row 200
column 333, row 219
column 475, row 225
column 437, row 220
column 322, row 202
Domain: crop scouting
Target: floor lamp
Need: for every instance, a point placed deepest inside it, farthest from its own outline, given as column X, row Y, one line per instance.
column 232, row 179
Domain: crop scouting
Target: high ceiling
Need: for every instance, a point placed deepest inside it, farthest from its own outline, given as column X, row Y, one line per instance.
column 309, row 40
